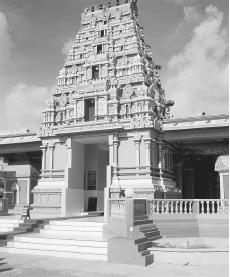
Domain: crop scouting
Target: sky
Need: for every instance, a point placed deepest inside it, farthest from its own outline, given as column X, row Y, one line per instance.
column 189, row 39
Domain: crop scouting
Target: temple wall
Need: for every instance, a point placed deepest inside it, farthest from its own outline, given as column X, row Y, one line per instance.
column 59, row 156
column 47, row 158
column 76, row 168
column 126, row 153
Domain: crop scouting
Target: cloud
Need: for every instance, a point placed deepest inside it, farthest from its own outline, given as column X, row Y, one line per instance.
column 67, row 46
column 199, row 73
column 22, row 107
column 191, row 14
column 5, row 39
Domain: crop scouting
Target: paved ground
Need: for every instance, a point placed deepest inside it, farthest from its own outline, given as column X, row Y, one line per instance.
column 204, row 264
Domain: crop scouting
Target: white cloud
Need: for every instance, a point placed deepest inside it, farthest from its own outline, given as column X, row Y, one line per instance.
column 67, row 46
column 5, row 40
column 191, row 14
column 199, row 73
column 22, row 108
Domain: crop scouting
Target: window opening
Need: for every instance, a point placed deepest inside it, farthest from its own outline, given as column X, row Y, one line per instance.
column 99, row 49
column 95, row 72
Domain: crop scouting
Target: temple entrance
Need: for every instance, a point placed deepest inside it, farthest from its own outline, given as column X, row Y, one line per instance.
column 96, row 161
column 90, row 160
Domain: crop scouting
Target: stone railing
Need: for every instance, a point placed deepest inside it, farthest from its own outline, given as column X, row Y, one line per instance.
column 122, row 207
column 188, row 206
column 3, row 206
column 116, row 208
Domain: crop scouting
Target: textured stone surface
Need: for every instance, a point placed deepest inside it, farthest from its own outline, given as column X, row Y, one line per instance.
column 26, row 266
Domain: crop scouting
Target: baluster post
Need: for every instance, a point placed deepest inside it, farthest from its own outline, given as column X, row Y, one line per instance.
column 202, row 207
column 208, row 208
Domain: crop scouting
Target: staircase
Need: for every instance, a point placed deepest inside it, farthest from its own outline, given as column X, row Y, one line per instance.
column 8, row 225
column 146, row 226
column 63, row 238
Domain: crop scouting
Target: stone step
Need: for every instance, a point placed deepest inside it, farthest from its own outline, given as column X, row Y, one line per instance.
column 5, row 229
column 149, row 259
column 145, row 253
column 76, row 255
column 147, row 226
column 141, row 217
column 153, row 237
column 144, row 246
column 8, row 225
column 72, row 232
column 10, row 221
column 56, row 247
column 74, row 228
column 142, row 222
column 76, row 223
column 61, row 241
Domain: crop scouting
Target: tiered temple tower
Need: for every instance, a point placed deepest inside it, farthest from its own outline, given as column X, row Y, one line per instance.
column 107, row 109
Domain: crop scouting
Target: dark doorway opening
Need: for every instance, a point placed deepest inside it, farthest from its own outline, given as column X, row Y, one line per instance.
column 206, row 179
column 92, row 204
column 89, row 109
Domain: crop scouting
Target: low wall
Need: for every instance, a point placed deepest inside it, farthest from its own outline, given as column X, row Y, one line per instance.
column 179, row 226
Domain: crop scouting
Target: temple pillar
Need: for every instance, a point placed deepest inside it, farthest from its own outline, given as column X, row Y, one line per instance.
column 115, row 155
column 43, row 148
column 137, row 147
column 51, row 147
column 148, row 144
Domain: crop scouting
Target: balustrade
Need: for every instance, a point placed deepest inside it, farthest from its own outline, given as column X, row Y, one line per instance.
column 116, row 208
column 188, row 206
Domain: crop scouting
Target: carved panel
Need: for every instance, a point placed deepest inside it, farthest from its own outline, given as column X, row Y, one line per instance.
column 80, row 109
column 127, row 91
column 102, row 106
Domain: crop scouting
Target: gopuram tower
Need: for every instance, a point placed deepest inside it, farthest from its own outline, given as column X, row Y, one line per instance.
column 102, row 129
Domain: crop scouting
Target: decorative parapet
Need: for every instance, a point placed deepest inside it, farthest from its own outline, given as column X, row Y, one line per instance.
column 198, row 122
column 19, row 138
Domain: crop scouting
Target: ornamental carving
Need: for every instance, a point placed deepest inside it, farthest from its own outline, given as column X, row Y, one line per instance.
column 80, row 109
column 127, row 91
column 112, row 110
column 63, row 100
column 102, row 106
